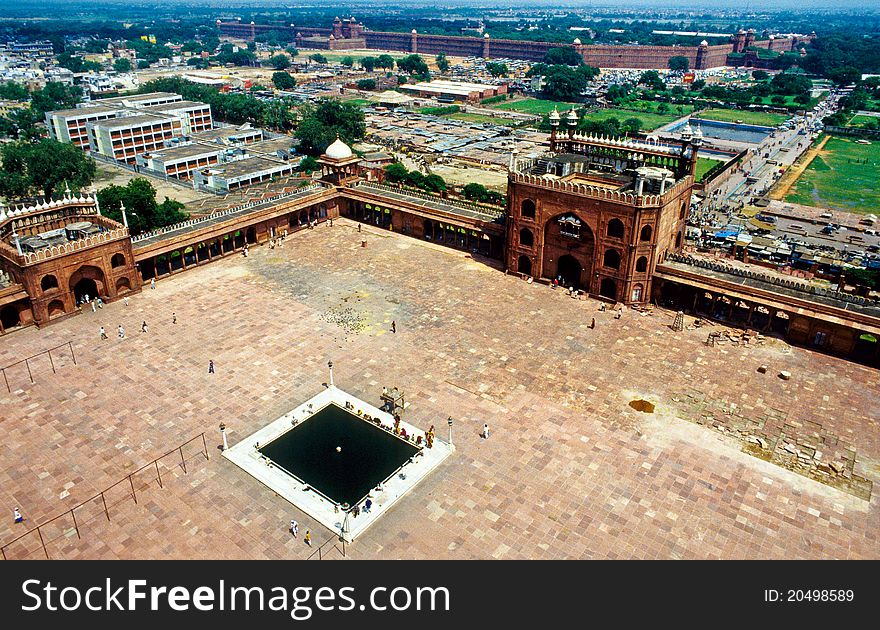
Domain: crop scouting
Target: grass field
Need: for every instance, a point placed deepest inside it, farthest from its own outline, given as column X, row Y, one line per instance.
column 649, row 121
column 652, row 106
column 357, row 55
column 480, row 118
column 860, row 120
column 534, row 106
column 837, row 179
column 766, row 119
column 703, row 166
column 360, row 102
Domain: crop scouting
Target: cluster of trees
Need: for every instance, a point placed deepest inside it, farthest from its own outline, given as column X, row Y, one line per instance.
column 497, row 69
column 23, row 122
column 679, row 63
column 42, row 168
column 226, row 54
column 283, row 80
column 318, row 58
column 320, row 125
column 77, row 64
column 280, row 61
column 414, row 65
column 481, row 194
column 612, row 126
column 397, row 173
column 384, row 62
column 141, row 209
column 563, row 82
column 442, row 62
column 366, row 84
column 860, row 98
column 236, row 109
column 843, row 56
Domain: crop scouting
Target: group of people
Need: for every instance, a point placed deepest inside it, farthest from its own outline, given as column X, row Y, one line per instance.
column 95, row 302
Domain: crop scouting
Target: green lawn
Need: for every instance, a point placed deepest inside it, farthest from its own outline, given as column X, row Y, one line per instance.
column 703, row 166
column 835, row 179
column 650, row 121
column 535, row 106
column 335, row 57
column 766, row 119
column 360, row 102
column 480, row 118
column 861, row 120
column 652, row 107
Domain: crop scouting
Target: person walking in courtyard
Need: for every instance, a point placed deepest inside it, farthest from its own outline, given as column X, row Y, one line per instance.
column 294, row 528
column 125, row 301
column 120, row 331
column 211, row 366
column 94, row 308
column 144, row 326
column 485, row 433
column 393, row 326
column 17, row 515
column 173, row 318
column 103, row 333
column 307, row 539
column 152, row 283
column 593, row 323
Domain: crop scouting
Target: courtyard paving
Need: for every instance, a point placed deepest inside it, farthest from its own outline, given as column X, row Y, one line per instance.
column 569, row 471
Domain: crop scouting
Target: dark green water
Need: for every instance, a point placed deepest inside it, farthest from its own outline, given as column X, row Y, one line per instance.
column 368, row 455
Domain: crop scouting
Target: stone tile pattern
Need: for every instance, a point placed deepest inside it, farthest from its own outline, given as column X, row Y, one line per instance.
column 570, row 470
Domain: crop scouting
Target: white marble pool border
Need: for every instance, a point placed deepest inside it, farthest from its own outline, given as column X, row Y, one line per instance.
column 246, row 456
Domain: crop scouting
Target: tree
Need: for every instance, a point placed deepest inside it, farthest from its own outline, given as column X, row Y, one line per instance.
column 277, row 116
column 396, row 173
column 292, row 51
column 143, row 64
column 475, row 192
column 442, row 62
column 40, row 167
column 662, row 108
column 386, row 62
column 562, row 83
column 198, row 63
column 122, row 65
column 55, row 96
column 366, row 84
column 369, row 63
column 760, row 75
column 698, row 85
column 76, row 64
column 413, row 64
column 844, row 75
column 790, row 84
column 778, row 100
column 283, row 81
column 347, row 61
column 322, row 124
column 652, row 79
column 565, row 56
column 141, row 210
column 318, row 58
column 13, row 91
column 679, row 63
column 497, row 69
column 308, row 164
column 280, row 61
column 632, row 125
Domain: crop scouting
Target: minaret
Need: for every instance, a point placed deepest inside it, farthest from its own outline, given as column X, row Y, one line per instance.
column 572, row 119
column 554, row 127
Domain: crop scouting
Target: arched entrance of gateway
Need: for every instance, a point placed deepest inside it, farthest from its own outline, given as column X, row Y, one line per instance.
column 9, row 317
column 87, row 280
column 568, row 250
column 569, row 270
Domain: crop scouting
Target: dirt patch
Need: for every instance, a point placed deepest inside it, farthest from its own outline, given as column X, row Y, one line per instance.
column 642, row 405
column 791, row 176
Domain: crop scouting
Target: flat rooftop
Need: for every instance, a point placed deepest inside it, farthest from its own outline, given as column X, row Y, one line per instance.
column 134, row 121
column 187, row 151
column 242, row 168
column 175, row 106
column 224, row 133
column 570, row 469
column 84, row 111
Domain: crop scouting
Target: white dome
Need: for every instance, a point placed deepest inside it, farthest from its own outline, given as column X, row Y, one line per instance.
column 577, row 41
column 338, row 150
